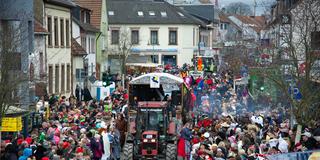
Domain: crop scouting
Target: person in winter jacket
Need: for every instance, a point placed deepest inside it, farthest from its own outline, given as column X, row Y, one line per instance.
column 27, row 153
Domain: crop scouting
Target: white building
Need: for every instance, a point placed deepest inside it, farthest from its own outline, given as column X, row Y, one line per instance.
column 154, row 32
column 83, row 47
column 58, row 24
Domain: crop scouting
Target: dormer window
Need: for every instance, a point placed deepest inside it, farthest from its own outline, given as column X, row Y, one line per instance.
column 151, row 13
column 163, row 14
column 140, row 13
column 110, row 13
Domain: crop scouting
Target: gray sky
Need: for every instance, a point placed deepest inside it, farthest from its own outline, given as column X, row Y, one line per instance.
column 260, row 4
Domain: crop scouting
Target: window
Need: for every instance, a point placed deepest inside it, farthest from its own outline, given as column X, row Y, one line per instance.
column 82, row 16
column 50, row 79
column 154, row 37
column 41, row 64
column 163, row 14
column 67, row 33
column 84, row 43
column 62, row 32
column 173, row 37
column 140, row 13
column 49, row 27
column 93, row 48
column 221, row 26
column 193, row 35
column 62, row 77
column 135, row 37
column 56, row 34
column 115, row 37
column 110, row 13
column 56, row 81
column 151, row 13
column 225, row 26
column 80, row 74
column 68, row 77
column 87, row 17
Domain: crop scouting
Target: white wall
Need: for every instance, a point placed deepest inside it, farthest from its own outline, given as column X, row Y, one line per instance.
column 39, row 46
column 57, row 56
column 76, row 32
column 185, row 45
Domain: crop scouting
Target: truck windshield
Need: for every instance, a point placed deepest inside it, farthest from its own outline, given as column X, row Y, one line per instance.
column 151, row 119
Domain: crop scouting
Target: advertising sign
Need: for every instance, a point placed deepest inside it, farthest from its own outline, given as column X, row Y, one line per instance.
column 154, row 81
column 11, row 124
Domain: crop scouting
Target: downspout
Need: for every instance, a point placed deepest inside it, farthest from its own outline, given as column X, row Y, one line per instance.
column 97, row 52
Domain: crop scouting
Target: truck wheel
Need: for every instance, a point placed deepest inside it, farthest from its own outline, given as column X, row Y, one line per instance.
column 171, row 152
column 128, row 151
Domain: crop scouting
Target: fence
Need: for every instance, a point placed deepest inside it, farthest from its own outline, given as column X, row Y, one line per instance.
column 293, row 156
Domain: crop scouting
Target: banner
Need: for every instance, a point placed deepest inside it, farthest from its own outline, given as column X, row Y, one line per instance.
column 154, row 81
column 11, row 124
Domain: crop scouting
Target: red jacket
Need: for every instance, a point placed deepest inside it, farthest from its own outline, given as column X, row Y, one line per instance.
column 181, row 148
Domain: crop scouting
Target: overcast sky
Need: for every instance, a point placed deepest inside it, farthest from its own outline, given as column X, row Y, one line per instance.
column 260, row 4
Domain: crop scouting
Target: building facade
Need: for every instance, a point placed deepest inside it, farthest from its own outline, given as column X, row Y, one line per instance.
column 16, row 37
column 83, row 47
column 58, row 44
column 150, row 33
column 98, row 19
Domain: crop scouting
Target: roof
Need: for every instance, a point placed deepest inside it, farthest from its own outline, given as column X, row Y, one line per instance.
column 224, row 18
column 204, row 12
column 257, row 22
column 86, row 26
column 95, row 7
column 65, row 3
column 126, row 12
column 165, row 78
column 76, row 48
column 15, row 110
column 39, row 29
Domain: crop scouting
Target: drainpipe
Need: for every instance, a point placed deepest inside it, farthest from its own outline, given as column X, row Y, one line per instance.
column 97, row 52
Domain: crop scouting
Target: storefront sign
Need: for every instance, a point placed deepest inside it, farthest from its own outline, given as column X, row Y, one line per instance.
column 154, row 81
column 154, row 50
column 11, row 124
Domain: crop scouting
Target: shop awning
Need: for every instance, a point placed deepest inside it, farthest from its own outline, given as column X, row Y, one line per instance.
column 142, row 64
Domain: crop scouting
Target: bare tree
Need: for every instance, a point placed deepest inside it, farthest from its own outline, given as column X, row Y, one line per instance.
column 239, row 8
column 11, row 76
column 123, row 49
column 298, row 61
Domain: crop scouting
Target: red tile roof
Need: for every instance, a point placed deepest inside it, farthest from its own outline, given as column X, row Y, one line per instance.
column 257, row 22
column 76, row 49
column 95, row 7
column 38, row 28
column 224, row 18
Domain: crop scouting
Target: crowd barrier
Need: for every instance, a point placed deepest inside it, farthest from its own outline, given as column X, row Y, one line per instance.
column 313, row 155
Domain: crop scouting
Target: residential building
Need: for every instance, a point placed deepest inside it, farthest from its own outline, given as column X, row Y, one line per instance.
column 38, row 65
column 251, row 26
column 38, row 60
column 83, row 47
column 229, row 32
column 288, row 27
column 16, row 40
column 154, row 32
column 98, row 18
column 59, row 66
column 209, row 15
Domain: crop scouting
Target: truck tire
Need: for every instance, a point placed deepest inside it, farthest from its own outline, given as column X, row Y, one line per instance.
column 128, row 151
column 171, row 152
